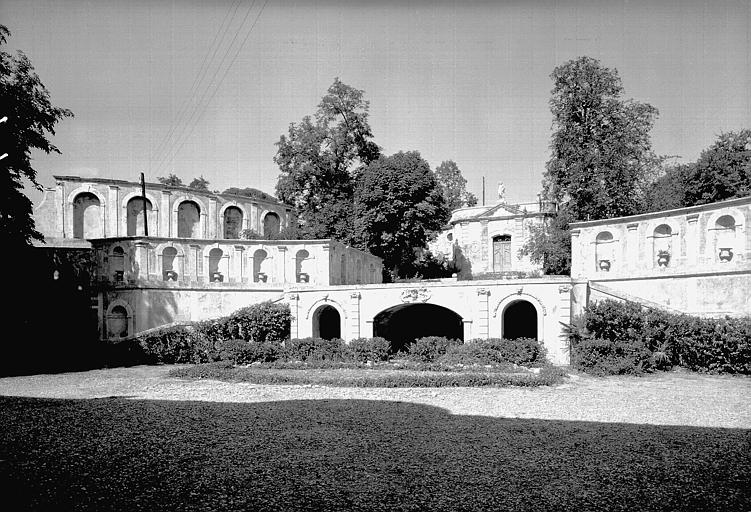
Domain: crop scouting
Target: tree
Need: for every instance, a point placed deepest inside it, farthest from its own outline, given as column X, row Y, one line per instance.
column 320, row 159
column 31, row 118
column 171, row 180
column 399, row 205
column 723, row 170
column 454, row 186
column 550, row 244
column 249, row 192
column 668, row 191
column 199, row 183
column 601, row 146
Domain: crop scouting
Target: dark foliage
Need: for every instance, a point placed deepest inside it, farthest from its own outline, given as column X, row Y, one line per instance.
column 369, row 349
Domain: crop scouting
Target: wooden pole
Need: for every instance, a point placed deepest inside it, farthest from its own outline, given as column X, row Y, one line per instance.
column 483, row 190
column 145, row 211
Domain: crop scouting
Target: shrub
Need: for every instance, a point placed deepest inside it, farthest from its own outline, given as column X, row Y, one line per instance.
column 246, row 352
column 264, row 322
column 606, row 357
column 316, row 349
column 175, row 344
column 369, row 349
column 521, row 351
column 430, row 348
column 475, row 353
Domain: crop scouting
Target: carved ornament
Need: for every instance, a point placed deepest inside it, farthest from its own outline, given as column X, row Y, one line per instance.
column 415, row 295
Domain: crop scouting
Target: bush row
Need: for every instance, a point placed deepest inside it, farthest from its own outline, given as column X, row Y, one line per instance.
column 623, row 338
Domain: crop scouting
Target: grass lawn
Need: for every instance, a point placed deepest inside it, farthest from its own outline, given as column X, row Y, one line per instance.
column 124, row 454
column 382, row 375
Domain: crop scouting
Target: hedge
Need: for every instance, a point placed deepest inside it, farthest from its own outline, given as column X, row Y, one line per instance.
column 622, row 337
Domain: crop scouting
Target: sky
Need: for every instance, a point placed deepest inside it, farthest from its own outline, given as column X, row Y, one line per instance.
column 208, row 87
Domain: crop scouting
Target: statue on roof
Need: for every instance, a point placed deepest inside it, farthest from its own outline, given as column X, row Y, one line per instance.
column 501, row 192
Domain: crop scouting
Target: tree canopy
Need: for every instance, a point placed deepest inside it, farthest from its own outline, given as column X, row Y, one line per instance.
column 454, row 186
column 319, row 160
column 172, row 180
column 199, row 183
column 723, row 170
column 29, row 119
column 399, row 206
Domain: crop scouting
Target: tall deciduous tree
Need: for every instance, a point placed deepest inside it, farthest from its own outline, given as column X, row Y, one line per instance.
column 319, row 160
column 29, row 120
column 454, row 186
column 399, row 206
column 601, row 146
column 723, row 170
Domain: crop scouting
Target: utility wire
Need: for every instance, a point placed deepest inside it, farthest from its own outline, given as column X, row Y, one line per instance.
column 202, row 105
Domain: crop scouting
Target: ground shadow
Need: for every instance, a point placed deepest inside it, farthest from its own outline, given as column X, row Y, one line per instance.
column 120, row 454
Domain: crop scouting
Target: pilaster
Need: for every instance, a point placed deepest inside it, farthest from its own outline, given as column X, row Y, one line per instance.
column 692, row 239
column 166, row 226
column 113, row 215
column 483, row 317
column 212, row 218
column 354, row 315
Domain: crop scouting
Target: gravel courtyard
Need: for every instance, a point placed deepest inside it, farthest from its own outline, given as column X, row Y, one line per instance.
column 136, row 439
column 674, row 398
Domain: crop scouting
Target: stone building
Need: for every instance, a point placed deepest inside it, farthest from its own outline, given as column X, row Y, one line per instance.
column 488, row 239
column 693, row 260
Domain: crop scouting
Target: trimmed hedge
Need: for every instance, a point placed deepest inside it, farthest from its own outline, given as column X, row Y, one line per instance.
column 316, row 349
column 622, row 337
column 429, row 348
column 370, row 349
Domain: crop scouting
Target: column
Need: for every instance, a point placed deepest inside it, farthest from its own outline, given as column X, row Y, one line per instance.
column 60, row 210
column 324, row 266
column 294, row 307
column 197, row 267
column 142, row 260
column 354, row 315
column 165, row 228
column 281, row 265
column 483, row 320
column 212, row 220
column 238, row 270
column 577, row 263
column 692, row 239
column 114, row 213
column 632, row 246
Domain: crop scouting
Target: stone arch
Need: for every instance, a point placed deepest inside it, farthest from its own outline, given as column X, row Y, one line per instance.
column 202, row 215
column 243, row 220
column 216, row 259
column 403, row 323
column 725, row 230
column 327, row 322
column 118, row 262
column 86, row 213
column 176, row 265
column 271, row 224
column 153, row 214
column 119, row 320
column 302, row 266
column 604, row 251
column 505, row 302
column 261, row 261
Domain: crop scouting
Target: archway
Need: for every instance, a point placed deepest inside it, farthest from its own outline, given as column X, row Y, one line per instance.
column 188, row 220
column 233, row 221
column 519, row 321
column 271, row 224
column 134, row 217
column 403, row 324
column 327, row 323
column 86, row 216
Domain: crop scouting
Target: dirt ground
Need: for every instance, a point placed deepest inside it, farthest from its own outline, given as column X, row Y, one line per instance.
column 673, row 398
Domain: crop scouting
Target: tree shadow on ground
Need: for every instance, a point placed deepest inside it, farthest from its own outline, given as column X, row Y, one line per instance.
column 122, row 454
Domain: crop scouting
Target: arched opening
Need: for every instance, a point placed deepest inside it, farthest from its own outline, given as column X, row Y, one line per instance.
column 87, row 216
column 169, row 272
column 604, row 251
column 501, row 253
column 134, row 214
column 661, row 245
column 188, row 220
column 117, row 322
column 724, row 238
column 259, row 271
column 519, row 321
column 215, row 258
column 403, row 324
column 271, row 225
column 233, row 222
column 117, row 264
column 302, row 275
column 327, row 323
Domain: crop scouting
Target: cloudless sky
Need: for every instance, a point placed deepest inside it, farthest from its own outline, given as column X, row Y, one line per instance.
column 160, row 86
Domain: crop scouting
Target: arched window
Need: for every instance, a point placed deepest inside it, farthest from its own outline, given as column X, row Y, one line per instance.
column 233, row 222
column 215, row 258
column 662, row 245
column 259, row 271
column 725, row 234
column 188, row 220
column 604, row 253
column 117, row 322
column 501, row 253
column 271, row 225
column 134, row 213
column 87, row 216
column 301, row 270
column 169, row 272
column 117, row 264
column 343, row 269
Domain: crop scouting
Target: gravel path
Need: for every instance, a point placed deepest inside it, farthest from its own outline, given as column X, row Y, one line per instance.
column 675, row 398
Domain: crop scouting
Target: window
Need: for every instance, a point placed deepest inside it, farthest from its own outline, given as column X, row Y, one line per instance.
column 188, row 220
column 233, row 221
column 134, row 213
column 87, row 216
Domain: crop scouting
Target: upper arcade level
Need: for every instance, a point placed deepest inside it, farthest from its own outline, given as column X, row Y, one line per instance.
column 699, row 239
column 87, row 208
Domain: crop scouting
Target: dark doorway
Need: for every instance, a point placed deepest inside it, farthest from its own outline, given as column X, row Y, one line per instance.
column 327, row 323
column 519, row 320
column 403, row 324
